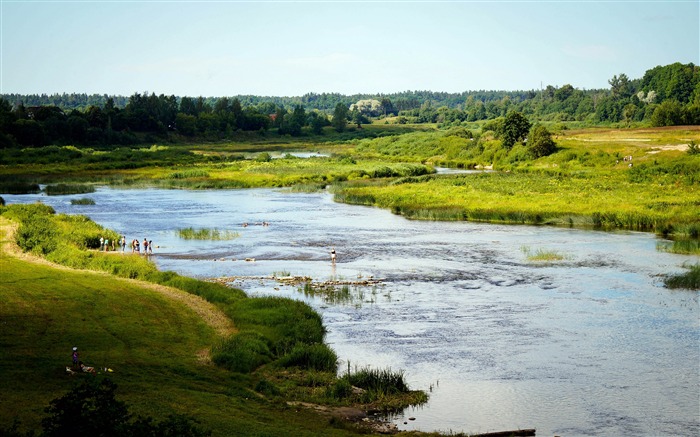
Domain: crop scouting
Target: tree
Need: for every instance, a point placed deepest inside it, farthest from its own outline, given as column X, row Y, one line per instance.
column 317, row 121
column 90, row 409
column 340, row 117
column 540, row 142
column 358, row 118
column 564, row 92
column 668, row 113
column 515, row 129
column 620, row 86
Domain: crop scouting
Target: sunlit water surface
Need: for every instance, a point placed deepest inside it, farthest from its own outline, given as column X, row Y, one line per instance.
column 589, row 345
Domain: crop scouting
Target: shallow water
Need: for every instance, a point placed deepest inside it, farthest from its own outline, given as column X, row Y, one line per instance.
column 590, row 345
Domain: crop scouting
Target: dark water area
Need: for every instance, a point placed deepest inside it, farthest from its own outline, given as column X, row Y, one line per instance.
column 592, row 344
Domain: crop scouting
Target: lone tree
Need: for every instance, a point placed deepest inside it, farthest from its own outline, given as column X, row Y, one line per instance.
column 540, row 142
column 515, row 129
column 340, row 117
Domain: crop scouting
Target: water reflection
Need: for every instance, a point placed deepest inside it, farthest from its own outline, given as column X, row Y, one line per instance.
column 588, row 345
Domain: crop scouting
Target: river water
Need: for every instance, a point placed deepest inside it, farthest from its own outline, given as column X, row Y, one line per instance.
column 592, row 344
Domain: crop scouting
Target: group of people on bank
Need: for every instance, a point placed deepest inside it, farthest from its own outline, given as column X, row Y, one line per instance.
column 106, row 245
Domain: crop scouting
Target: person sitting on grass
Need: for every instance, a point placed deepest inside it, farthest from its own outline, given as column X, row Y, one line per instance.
column 86, row 369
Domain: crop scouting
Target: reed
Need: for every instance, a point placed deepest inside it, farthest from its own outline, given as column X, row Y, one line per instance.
column 689, row 280
column 680, row 246
column 207, row 234
column 83, row 201
column 385, row 381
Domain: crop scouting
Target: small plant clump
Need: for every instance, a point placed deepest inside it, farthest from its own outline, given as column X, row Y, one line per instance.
column 83, row 201
column 207, row 234
column 689, row 280
column 542, row 255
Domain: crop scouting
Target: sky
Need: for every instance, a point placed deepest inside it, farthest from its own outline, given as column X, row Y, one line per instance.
column 290, row 48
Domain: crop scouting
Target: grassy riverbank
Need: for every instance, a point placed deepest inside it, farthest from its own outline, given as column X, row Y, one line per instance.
column 171, row 340
column 587, row 182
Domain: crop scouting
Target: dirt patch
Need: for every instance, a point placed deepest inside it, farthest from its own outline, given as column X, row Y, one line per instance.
column 679, row 147
column 353, row 415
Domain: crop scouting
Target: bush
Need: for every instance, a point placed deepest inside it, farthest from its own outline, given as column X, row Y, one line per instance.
column 37, row 235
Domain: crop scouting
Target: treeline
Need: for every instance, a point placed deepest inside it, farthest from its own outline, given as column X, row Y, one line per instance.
column 665, row 95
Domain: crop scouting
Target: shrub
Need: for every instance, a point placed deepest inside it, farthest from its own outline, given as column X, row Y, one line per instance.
column 35, row 234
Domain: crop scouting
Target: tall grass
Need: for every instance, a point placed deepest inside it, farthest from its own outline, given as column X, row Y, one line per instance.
column 681, row 246
column 385, row 381
column 242, row 352
column 61, row 189
column 188, row 174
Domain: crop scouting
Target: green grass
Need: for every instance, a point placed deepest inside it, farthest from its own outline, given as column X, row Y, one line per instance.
column 207, row 234
column 151, row 343
column 606, row 200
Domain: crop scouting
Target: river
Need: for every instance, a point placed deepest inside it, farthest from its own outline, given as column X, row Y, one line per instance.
column 592, row 344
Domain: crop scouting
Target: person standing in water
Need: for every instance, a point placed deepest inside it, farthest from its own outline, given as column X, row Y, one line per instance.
column 333, row 255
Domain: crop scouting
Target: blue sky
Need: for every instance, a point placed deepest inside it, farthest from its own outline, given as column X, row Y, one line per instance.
column 289, row 48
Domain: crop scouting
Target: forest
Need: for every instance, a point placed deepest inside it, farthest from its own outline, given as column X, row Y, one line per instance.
column 665, row 96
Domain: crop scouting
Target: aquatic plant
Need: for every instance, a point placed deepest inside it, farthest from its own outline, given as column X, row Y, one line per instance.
column 689, row 280
column 385, row 381
column 206, row 234
column 83, row 201
column 542, row 254
column 680, row 246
